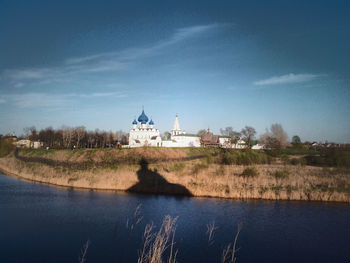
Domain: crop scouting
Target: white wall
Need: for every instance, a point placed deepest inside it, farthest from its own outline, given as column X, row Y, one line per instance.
column 144, row 135
column 183, row 141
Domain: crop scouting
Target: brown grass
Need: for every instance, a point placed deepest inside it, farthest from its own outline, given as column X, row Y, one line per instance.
column 155, row 244
column 273, row 181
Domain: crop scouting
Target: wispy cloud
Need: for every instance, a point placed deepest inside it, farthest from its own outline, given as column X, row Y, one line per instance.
column 104, row 94
column 30, row 100
column 40, row 100
column 72, row 68
column 129, row 54
column 286, row 79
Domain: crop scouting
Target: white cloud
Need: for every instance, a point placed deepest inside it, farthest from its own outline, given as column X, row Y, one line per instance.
column 38, row 100
column 104, row 94
column 187, row 32
column 102, row 62
column 136, row 53
column 18, row 84
column 30, row 100
column 286, row 79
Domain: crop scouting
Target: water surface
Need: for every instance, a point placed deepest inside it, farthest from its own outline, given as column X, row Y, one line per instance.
column 40, row 223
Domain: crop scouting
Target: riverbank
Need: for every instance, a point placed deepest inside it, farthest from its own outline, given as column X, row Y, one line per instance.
column 178, row 171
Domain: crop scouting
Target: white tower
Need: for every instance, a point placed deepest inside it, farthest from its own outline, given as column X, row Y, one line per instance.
column 176, row 130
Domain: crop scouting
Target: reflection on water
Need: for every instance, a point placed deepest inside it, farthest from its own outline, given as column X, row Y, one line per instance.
column 39, row 223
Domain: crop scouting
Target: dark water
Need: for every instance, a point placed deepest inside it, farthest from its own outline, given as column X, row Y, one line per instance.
column 39, row 223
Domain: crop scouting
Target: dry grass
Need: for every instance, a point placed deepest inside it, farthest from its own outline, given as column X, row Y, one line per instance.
column 156, row 244
column 274, row 181
column 229, row 252
column 83, row 252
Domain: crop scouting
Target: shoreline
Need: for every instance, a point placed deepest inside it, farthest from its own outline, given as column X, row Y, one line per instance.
column 206, row 183
column 125, row 192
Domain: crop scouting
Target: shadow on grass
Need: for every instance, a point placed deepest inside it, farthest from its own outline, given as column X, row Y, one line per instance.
column 153, row 182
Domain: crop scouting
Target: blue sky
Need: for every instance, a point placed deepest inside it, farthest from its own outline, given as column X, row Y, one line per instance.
column 214, row 63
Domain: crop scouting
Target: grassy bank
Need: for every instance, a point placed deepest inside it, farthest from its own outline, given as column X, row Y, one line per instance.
column 189, row 171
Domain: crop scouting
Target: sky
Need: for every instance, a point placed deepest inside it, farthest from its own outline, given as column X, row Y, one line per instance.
column 214, row 63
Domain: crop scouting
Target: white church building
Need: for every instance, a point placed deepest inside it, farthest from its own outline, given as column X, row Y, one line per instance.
column 179, row 138
column 143, row 133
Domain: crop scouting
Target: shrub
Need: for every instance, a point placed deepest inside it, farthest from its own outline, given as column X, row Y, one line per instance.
column 177, row 167
column 209, row 159
column 228, row 158
column 297, row 161
column 247, row 157
column 220, row 170
column 330, row 157
column 250, row 172
column 6, row 147
column 199, row 166
column 285, row 159
column 281, row 174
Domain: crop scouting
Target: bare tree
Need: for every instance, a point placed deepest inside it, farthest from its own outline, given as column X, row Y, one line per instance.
column 110, row 139
column 201, row 132
column 280, row 135
column 47, row 136
column 79, row 134
column 275, row 138
column 123, row 137
column 234, row 135
column 248, row 134
column 90, row 139
column 68, row 136
column 31, row 133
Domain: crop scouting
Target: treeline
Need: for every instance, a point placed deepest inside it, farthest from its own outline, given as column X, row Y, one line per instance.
column 76, row 137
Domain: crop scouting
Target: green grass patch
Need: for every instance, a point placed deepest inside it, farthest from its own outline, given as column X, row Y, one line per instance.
column 281, row 174
column 244, row 157
column 6, row 147
column 176, row 167
column 199, row 166
column 297, row 161
column 250, row 172
column 301, row 150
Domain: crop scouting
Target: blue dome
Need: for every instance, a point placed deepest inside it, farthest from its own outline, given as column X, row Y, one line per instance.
column 151, row 123
column 134, row 122
column 143, row 118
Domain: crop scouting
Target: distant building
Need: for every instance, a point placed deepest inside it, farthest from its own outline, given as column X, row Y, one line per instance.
column 240, row 144
column 24, row 144
column 208, row 139
column 143, row 133
column 37, row 145
column 180, row 138
column 258, row 147
column 176, row 130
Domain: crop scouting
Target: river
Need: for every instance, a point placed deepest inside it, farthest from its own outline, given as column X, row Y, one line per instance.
column 41, row 223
